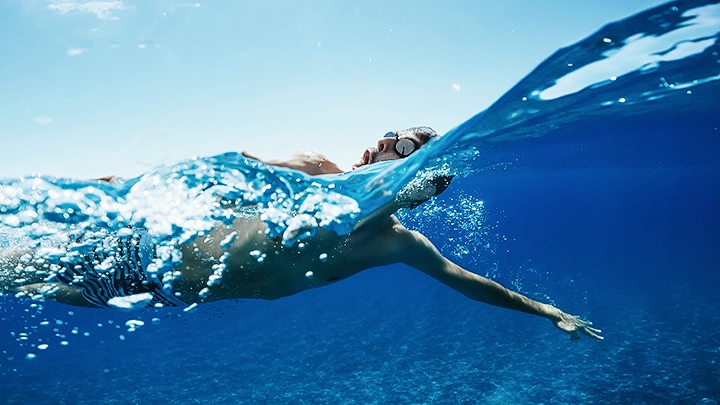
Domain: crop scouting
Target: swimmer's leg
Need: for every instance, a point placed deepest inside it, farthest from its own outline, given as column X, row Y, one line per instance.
column 18, row 275
column 10, row 269
column 58, row 292
column 18, row 268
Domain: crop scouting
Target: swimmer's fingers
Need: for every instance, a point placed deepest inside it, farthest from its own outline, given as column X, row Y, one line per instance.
column 587, row 330
column 267, row 162
column 575, row 326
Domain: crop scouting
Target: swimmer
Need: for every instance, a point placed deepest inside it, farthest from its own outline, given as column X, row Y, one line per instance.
column 260, row 267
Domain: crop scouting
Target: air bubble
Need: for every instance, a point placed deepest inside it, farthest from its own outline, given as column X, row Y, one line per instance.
column 134, row 324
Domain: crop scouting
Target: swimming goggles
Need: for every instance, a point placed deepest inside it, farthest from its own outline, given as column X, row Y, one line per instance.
column 404, row 146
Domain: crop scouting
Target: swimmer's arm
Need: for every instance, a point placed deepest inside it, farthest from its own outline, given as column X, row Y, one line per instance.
column 417, row 251
column 308, row 162
column 108, row 179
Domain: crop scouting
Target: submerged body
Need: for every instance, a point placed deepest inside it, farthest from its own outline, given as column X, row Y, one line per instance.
column 257, row 266
column 260, row 267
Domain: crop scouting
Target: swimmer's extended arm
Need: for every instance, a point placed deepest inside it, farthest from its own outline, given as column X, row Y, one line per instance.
column 308, row 162
column 417, row 251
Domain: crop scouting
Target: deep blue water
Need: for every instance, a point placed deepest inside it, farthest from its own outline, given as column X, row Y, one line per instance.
column 610, row 215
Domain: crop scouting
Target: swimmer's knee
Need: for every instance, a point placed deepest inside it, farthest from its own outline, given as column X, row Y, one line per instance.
column 10, row 257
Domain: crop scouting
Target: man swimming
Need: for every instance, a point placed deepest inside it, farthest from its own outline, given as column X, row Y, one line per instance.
column 257, row 266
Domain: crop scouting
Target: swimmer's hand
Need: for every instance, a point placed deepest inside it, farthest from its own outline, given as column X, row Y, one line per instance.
column 308, row 162
column 575, row 326
column 108, row 179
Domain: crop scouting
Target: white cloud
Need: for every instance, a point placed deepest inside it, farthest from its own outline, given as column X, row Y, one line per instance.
column 456, row 87
column 101, row 9
column 45, row 120
column 75, row 51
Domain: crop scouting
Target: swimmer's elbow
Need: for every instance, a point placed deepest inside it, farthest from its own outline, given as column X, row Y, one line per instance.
column 421, row 254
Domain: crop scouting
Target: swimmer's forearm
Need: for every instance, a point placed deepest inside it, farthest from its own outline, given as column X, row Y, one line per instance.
column 481, row 289
column 420, row 253
column 307, row 162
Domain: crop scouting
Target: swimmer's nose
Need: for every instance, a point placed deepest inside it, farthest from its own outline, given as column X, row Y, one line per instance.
column 384, row 143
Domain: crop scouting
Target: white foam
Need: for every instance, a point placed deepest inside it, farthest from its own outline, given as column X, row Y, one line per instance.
column 131, row 301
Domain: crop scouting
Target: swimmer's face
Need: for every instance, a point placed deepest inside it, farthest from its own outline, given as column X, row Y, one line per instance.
column 386, row 146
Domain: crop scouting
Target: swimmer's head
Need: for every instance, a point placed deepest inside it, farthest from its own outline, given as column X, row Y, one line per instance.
column 397, row 145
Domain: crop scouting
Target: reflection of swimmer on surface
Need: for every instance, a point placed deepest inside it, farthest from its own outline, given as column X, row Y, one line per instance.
column 260, row 267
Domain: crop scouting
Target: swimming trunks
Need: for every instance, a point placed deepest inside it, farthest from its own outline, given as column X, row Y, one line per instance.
column 116, row 267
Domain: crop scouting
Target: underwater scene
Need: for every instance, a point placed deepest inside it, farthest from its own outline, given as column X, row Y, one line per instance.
column 593, row 184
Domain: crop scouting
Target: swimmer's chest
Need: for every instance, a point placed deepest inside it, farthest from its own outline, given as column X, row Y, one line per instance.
column 271, row 270
column 261, row 267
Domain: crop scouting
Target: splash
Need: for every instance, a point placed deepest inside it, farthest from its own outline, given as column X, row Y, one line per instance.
column 643, row 52
column 663, row 59
column 174, row 202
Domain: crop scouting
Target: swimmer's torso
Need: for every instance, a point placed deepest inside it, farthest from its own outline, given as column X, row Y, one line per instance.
column 260, row 267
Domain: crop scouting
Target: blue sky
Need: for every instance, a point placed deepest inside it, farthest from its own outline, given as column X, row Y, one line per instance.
column 121, row 86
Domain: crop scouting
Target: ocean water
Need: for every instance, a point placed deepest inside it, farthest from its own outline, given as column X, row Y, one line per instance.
column 593, row 184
